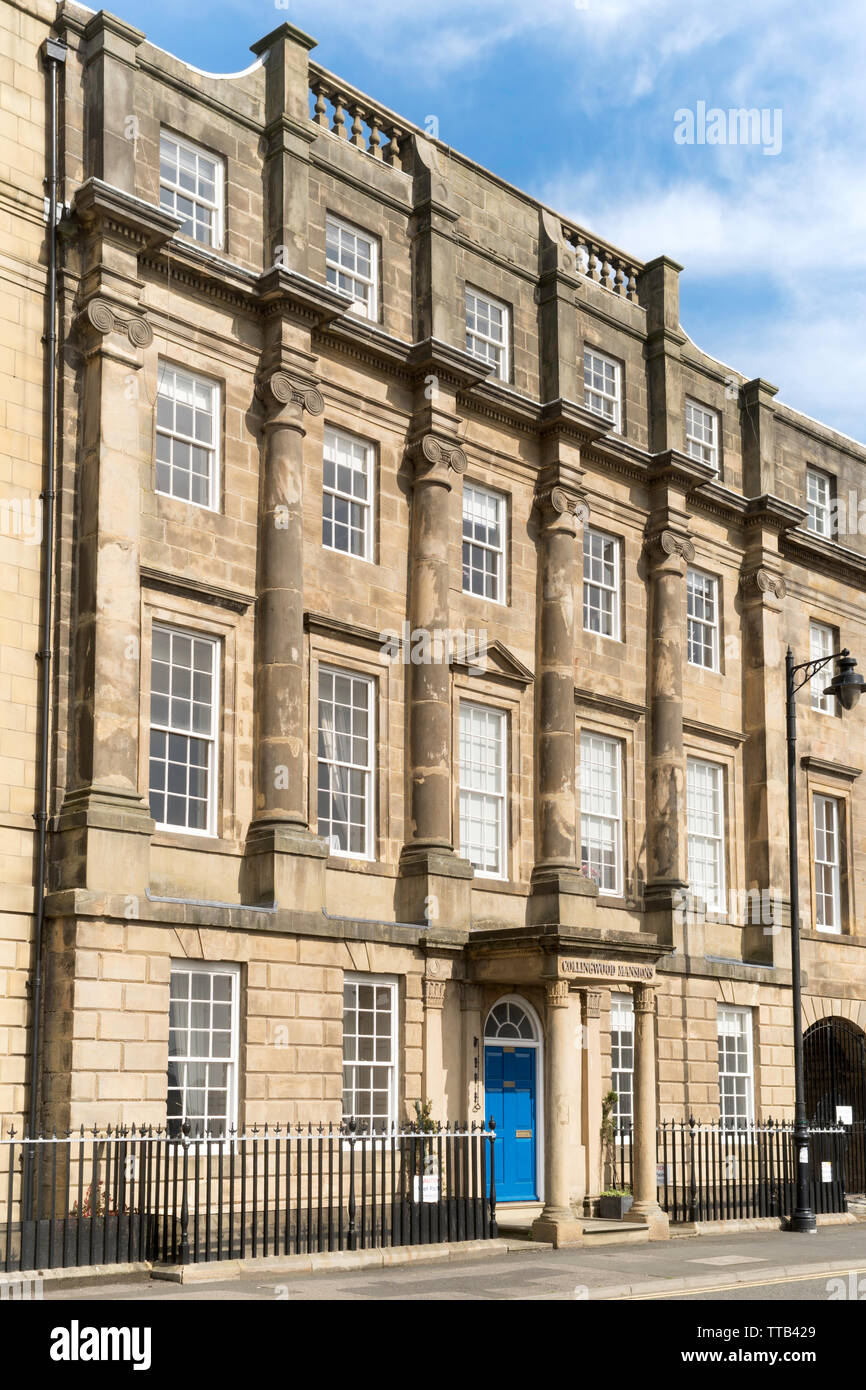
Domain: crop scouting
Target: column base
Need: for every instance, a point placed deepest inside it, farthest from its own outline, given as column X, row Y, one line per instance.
column 558, row 1227
column 650, row 1214
column 560, row 897
column 434, row 886
column 98, row 829
column 284, row 864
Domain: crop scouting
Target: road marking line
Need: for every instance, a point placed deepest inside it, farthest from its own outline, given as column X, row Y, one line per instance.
column 726, row 1288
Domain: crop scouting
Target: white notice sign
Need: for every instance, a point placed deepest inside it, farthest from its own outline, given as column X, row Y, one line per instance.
column 844, row 1114
column 427, row 1188
column 826, row 1172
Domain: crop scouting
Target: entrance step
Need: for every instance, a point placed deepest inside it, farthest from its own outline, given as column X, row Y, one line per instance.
column 514, row 1222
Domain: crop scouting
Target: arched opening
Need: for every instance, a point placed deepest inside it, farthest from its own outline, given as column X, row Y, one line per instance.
column 834, row 1056
column 513, row 1086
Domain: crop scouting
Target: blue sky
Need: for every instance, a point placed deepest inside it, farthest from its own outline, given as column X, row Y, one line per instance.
column 576, row 102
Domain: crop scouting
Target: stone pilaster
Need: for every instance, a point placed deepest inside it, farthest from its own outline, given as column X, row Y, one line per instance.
column 558, row 282
column 473, row 1053
column 283, row 862
column 645, row 1207
column 429, row 868
column 288, row 135
column 591, row 1001
column 658, row 290
column 105, row 819
column 434, row 1073
column 557, row 1222
column 110, row 60
column 758, row 422
column 434, row 253
column 557, row 884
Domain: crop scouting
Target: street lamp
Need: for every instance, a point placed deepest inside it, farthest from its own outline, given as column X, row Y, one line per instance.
column 846, row 685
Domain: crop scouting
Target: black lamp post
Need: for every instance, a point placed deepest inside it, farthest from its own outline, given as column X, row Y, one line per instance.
column 847, row 686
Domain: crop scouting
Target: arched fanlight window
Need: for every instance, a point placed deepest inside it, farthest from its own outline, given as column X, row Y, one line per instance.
column 508, row 1021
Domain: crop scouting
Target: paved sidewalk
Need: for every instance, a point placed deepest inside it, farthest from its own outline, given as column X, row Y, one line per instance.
column 527, row 1273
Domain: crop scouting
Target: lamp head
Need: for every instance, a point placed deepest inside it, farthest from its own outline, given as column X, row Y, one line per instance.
column 847, row 684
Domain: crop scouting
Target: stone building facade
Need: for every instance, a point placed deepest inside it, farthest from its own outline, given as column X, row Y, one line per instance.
column 422, row 594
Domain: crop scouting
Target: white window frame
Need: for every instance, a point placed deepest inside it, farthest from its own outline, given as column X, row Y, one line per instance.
column 588, row 739
column 622, row 1011
column 368, row 306
column 590, row 581
column 336, row 436
column 211, row 738
column 714, row 840
column 831, row 868
column 473, row 491
column 368, row 769
column 822, row 642
column 819, row 507
column 483, row 344
column 232, row 970
column 166, row 371
column 498, row 800
column 389, row 982
column 725, row 1013
column 594, row 395
column 216, row 205
column 708, row 626
column 702, row 433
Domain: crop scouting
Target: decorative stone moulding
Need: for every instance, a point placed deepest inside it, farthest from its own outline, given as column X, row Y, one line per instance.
column 761, row 581
column 104, row 319
column 558, row 501
column 435, row 451
column 668, row 543
column 282, row 389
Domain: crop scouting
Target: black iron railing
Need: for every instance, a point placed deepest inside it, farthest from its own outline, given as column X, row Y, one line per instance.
column 100, row 1198
column 713, row 1172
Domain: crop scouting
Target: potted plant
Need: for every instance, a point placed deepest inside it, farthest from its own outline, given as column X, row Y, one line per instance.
column 614, row 1201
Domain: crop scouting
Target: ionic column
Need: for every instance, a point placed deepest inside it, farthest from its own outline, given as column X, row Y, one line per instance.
column 434, row 1069
column 280, row 810
column 645, row 1207
column 561, row 509
column 429, row 849
column 557, row 1222
column 667, row 555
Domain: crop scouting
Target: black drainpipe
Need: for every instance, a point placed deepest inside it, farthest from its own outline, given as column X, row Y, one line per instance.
column 54, row 57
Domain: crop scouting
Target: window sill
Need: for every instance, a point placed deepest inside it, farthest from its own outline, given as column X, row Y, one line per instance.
column 206, row 844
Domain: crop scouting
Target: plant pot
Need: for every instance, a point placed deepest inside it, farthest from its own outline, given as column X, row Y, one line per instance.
column 614, row 1208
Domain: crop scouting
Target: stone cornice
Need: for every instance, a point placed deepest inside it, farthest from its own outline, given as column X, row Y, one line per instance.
column 825, row 768
column 768, row 510
column 714, row 731
column 281, row 288
column 567, row 418
column 500, row 402
column 232, row 599
column 433, row 357
column 367, row 341
column 831, row 558
column 609, row 703
column 714, row 497
column 98, row 205
column 672, row 466
column 324, row 624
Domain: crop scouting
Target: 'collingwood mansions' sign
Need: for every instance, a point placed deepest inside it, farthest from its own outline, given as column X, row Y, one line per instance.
column 608, row 970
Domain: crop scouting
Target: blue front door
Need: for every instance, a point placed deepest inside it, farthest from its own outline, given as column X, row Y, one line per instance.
column 509, row 1083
